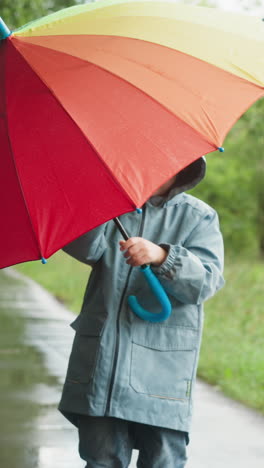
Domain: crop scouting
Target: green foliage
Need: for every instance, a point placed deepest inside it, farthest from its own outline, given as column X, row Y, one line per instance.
column 252, row 5
column 234, row 184
column 63, row 276
column 15, row 13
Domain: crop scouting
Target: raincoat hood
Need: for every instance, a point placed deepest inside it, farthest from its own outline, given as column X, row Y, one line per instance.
column 189, row 177
column 186, row 179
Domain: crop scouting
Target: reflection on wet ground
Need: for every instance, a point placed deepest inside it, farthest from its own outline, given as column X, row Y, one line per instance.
column 33, row 433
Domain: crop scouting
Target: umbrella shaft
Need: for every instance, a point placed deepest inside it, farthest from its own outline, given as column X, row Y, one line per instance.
column 121, row 228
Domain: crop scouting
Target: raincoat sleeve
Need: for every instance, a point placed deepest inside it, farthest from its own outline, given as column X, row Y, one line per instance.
column 90, row 247
column 192, row 272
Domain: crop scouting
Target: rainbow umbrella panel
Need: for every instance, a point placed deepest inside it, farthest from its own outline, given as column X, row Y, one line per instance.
column 101, row 103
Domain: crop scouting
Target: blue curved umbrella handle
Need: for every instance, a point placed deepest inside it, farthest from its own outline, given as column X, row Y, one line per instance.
column 160, row 294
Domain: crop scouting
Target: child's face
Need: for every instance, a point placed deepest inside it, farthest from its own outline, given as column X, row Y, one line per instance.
column 164, row 189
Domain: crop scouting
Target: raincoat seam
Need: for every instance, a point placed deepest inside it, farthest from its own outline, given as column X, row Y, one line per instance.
column 199, row 206
column 168, row 348
column 176, row 327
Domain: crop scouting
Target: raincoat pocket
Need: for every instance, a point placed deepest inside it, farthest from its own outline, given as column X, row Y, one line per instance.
column 163, row 361
column 85, row 348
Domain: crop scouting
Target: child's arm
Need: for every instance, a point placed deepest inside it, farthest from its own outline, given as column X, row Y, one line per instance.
column 193, row 272
column 90, row 247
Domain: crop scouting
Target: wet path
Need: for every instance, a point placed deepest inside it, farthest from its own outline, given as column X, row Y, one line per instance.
column 33, row 356
column 34, row 347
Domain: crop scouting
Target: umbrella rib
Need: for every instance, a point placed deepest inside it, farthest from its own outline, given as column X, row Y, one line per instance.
column 16, row 170
column 120, row 78
column 109, row 171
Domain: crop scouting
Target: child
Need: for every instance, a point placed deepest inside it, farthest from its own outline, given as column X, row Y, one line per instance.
column 129, row 382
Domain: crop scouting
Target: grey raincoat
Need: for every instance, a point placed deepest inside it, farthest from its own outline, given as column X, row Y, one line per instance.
column 120, row 365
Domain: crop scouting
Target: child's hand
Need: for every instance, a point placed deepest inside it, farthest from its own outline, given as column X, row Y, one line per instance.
column 140, row 251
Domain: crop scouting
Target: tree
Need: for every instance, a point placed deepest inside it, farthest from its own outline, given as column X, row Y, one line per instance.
column 251, row 128
column 253, row 5
column 19, row 12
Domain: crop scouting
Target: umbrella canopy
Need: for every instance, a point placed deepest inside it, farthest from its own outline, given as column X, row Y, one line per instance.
column 100, row 104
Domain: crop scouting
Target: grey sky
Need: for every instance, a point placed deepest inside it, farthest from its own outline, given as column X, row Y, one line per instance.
column 255, row 7
column 242, row 5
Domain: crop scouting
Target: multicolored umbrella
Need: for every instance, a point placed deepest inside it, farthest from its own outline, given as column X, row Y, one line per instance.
column 101, row 103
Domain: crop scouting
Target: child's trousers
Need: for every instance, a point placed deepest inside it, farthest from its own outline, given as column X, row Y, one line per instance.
column 108, row 443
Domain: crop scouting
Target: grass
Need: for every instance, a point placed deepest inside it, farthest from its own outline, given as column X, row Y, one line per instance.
column 232, row 351
column 232, row 355
column 63, row 276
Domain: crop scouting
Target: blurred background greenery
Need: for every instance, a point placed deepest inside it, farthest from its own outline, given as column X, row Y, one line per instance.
column 232, row 352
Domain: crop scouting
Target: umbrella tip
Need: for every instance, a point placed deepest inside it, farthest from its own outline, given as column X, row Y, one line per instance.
column 221, row 149
column 4, row 30
column 44, row 261
column 139, row 210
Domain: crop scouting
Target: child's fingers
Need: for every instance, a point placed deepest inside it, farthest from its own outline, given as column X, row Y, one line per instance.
column 133, row 251
column 137, row 261
column 125, row 245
